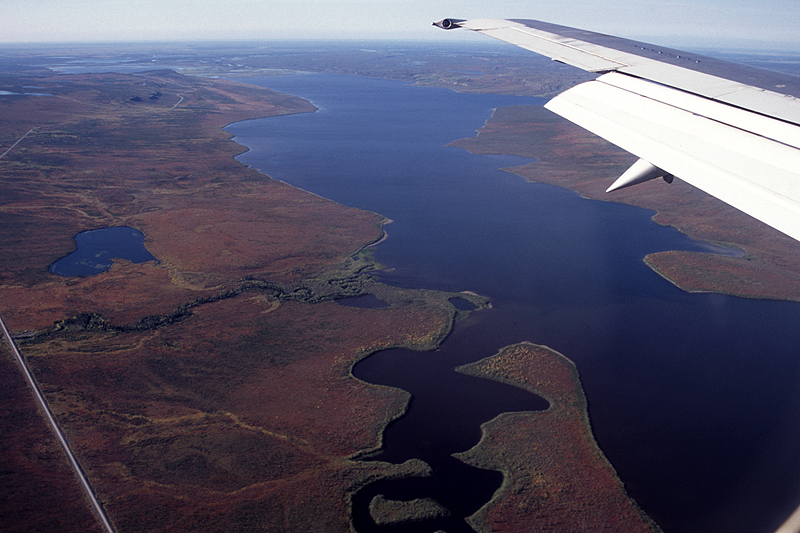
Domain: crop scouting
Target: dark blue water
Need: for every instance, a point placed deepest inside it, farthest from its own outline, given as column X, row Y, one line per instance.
column 96, row 250
column 694, row 398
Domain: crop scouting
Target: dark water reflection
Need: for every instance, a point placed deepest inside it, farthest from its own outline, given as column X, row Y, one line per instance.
column 694, row 398
column 96, row 250
column 462, row 304
column 445, row 416
column 447, row 407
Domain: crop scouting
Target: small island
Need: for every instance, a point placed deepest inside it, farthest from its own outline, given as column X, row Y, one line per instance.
column 392, row 512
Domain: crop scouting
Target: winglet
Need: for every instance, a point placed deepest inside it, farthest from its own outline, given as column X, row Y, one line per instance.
column 639, row 172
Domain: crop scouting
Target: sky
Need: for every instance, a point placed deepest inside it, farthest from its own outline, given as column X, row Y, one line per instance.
column 720, row 23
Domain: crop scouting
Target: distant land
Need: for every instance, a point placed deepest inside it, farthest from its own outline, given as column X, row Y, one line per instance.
column 768, row 262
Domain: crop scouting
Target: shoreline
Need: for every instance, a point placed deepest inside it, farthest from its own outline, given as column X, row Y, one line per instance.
column 385, row 235
column 541, row 452
column 570, row 157
column 141, row 405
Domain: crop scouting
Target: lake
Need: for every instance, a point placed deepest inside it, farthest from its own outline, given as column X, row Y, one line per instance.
column 96, row 250
column 694, row 398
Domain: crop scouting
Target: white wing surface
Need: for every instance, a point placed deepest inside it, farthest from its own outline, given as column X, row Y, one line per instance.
column 728, row 129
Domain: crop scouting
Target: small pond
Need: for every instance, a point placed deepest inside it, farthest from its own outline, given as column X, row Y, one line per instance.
column 96, row 250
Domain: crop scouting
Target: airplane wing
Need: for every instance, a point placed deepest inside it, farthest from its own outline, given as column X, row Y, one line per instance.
column 728, row 129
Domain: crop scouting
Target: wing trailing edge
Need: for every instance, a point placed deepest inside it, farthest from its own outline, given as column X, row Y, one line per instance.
column 730, row 130
column 751, row 172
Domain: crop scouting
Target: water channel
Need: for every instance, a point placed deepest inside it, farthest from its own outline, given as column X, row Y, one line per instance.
column 694, row 398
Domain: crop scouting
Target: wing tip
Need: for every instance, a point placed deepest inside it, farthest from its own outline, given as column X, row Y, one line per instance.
column 449, row 24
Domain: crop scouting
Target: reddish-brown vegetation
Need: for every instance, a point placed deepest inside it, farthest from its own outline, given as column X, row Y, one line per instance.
column 241, row 405
column 240, row 414
column 571, row 157
column 555, row 476
column 40, row 491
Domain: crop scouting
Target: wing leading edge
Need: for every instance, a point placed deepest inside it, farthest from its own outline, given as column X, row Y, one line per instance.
column 730, row 130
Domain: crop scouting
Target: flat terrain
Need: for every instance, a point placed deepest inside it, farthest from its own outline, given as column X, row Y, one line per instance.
column 210, row 390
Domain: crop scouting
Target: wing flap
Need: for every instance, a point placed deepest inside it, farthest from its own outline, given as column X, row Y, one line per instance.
column 783, row 132
column 748, row 171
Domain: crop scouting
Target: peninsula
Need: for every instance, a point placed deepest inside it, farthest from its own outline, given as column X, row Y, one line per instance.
column 555, row 476
column 209, row 390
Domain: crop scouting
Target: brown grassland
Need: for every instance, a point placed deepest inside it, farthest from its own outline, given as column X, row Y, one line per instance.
column 211, row 390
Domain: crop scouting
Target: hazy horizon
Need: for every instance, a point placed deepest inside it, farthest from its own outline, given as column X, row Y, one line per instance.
column 696, row 23
column 479, row 42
